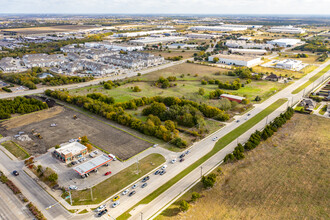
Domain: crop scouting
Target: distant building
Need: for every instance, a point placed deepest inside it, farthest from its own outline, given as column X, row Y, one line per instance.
column 242, row 44
column 142, row 33
column 237, row 60
column 289, row 64
column 201, row 36
column 70, row 151
column 235, row 98
column 157, row 40
column 248, row 51
column 286, row 29
column 273, row 77
column 285, row 42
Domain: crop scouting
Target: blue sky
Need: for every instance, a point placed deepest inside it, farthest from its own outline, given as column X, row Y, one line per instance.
column 320, row 7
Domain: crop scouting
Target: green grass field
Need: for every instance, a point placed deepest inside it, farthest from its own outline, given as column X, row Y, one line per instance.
column 312, row 79
column 117, row 182
column 16, row 150
column 221, row 143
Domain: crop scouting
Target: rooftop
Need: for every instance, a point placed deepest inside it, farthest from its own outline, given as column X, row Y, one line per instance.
column 235, row 57
column 74, row 148
column 232, row 96
column 92, row 164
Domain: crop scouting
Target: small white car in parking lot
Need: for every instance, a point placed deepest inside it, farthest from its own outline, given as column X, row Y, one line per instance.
column 125, row 192
column 100, row 208
column 114, row 205
column 164, row 167
column 173, row 161
column 72, row 187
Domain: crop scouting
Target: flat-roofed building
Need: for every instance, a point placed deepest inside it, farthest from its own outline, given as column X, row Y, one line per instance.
column 92, row 164
column 156, row 40
column 70, row 151
column 286, row 29
column 248, row 51
column 289, row 64
column 247, row 45
column 284, row 42
column 237, row 60
column 202, row 36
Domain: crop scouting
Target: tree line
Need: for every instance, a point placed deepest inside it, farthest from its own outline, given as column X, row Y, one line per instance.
column 258, row 136
column 20, row 105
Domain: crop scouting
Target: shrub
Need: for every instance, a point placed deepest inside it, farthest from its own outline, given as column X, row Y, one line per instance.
column 195, row 196
column 208, row 181
column 184, row 206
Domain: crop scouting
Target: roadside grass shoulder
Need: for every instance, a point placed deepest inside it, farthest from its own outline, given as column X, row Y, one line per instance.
column 311, row 80
column 221, row 143
column 119, row 181
column 16, row 150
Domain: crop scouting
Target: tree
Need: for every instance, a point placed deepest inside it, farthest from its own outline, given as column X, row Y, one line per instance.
column 84, row 140
column 208, row 181
column 195, row 196
column 215, row 59
column 136, row 89
column 53, row 178
column 201, row 91
column 107, row 86
column 257, row 99
column 184, row 205
column 89, row 147
column 170, row 125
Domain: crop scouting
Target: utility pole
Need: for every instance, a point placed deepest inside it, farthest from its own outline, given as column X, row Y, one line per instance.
column 70, row 197
column 266, row 120
column 201, row 171
column 141, row 215
column 137, row 165
column 91, row 193
column 237, row 141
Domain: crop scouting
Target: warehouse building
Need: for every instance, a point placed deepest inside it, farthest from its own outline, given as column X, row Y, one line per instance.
column 70, row 151
column 237, row 60
column 289, row 64
column 156, row 40
column 248, row 51
column 285, row 42
column 286, row 29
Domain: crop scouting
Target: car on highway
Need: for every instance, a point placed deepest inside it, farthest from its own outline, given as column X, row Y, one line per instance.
column 164, row 167
column 187, row 152
column 72, row 187
column 115, row 198
column 125, row 192
column 248, row 114
column 182, row 159
column 145, row 179
column 102, row 212
column 15, row 173
column 134, row 186
column 162, row 172
column 100, row 208
column 107, row 173
column 173, row 161
column 237, row 121
column 144, row 185
column 214, row 139
column 114, row 205
column 157, row 172
column 182, row 155
column 132, row 193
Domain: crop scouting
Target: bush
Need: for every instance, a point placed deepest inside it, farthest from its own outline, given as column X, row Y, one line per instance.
column 209, row 181
column 136, row 89
column 184, row 206
column 201, row 91
column 53, row 178
column 195, row 196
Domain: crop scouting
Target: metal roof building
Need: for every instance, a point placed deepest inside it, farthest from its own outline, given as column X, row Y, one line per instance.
column 92, row 164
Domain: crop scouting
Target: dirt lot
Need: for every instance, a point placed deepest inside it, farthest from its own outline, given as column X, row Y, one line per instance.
column 114, row 141
column 285, row 177
column 52, row 29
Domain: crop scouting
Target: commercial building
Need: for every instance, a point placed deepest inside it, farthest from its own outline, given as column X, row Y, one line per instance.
column 235, row 98
column 202, row 36
column 289, row 64
column 92, row 164
column 156, row 40
column 248, row 51
column 247, row 45
column 142, row 33
column 111, row 46
column 237, row 60
column 218, row 28
column 70, row 151
column 176, row 45
column 286, row 29
column 285, row 42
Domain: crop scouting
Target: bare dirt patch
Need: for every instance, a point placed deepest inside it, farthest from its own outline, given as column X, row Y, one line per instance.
column 50, row 29
column 110, row 139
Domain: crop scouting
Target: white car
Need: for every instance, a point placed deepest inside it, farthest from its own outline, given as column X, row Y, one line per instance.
column 125, row 192
column 215, row 138
column 173, row 161
column 134, row 186
column 100, row 208
column 72, row 187
column 164, row 167
column 114, row 205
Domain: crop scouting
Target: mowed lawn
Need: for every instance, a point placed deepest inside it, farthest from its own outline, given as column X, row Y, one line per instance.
column 285, row 177
column 118, row 181
column 16, row 150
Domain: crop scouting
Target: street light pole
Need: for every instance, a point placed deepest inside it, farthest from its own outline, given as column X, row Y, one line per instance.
column 91, row 193
column 201, row 171
column 70, row 197
column 141, row 215
column 137, row 165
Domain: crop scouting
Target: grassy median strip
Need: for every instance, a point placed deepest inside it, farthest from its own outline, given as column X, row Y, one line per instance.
column 311, row 80
column 221, row 143
column 115, row 183
column 16, row 150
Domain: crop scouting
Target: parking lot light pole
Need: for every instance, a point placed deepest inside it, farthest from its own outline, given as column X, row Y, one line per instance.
column 70, row 197
column 141, row 215
column 91, row 193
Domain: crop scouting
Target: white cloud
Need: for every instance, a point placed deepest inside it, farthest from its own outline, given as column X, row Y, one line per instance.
column 167, row 6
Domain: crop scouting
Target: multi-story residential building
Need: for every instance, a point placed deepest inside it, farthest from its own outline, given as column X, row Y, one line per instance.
column 43, row 60
column 7, row 64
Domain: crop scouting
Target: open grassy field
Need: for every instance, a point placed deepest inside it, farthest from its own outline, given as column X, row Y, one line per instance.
column 174, row 53
column 311, row 59
column 286, row 177
column 221, row 143
column 118, row 181
column 284, row 72
column 311, row 80
column 50, row 29
column 16, row 150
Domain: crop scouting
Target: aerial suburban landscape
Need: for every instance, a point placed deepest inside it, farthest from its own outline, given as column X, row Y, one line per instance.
column 164, row 110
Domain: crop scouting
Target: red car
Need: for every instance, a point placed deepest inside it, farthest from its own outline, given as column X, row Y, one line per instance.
column 107, row 173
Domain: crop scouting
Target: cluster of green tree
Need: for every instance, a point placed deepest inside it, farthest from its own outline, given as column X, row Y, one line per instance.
column 20, row 105
column 31, row 79
column 165, row 83
column 258, row 136
column 136, row 89
column 301, row 55
column 216, row 94
column 220, row 46
column 203, row 47
column 6, row 89
column 242, row 72
column 116, row 113
column 101, row 97
column 235, row 85
column 201, row 56
column 314, row 46
column 109, row 84
column 323, row 57
column 48, row 47
column 176, row 58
